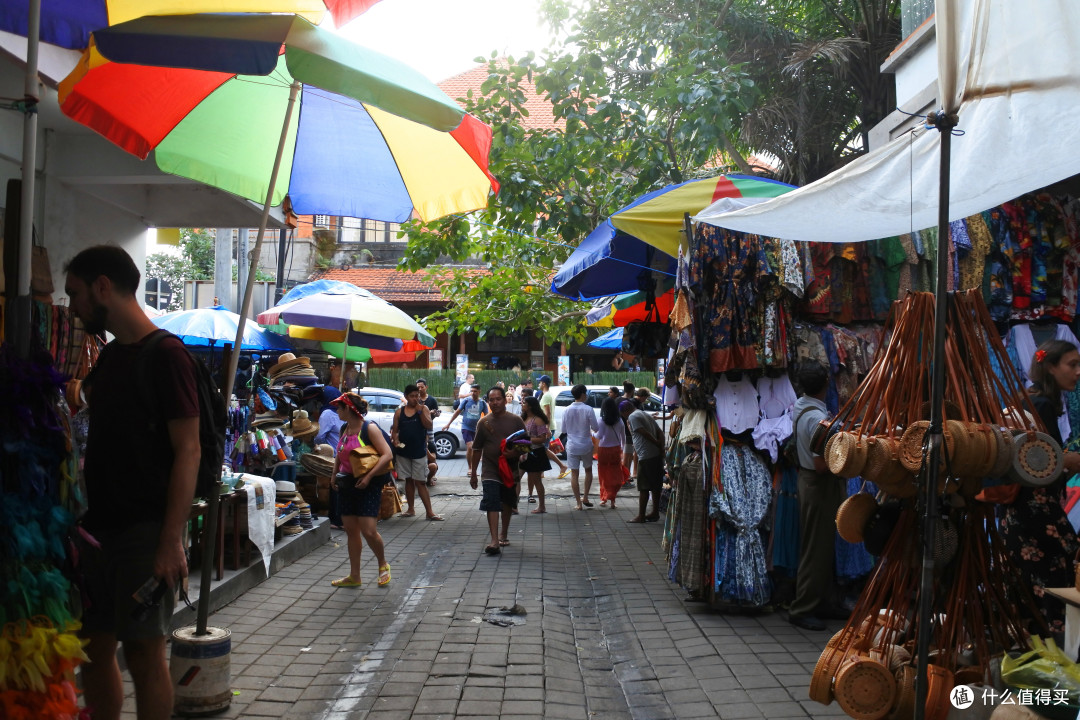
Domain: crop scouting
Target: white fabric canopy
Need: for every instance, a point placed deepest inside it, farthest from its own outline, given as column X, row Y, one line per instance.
column 1018, row 65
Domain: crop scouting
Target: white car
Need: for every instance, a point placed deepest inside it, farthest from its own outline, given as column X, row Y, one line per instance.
column 382, row 403
column 596, row 396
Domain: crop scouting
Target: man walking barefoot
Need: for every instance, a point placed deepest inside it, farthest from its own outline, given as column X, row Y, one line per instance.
column 499, row 497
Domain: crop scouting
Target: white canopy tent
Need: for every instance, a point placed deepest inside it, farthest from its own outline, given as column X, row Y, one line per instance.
column 1012, row 72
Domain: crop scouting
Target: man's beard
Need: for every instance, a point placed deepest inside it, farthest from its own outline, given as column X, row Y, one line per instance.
column 95, row 324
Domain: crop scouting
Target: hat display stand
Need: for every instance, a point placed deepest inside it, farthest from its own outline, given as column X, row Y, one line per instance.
column 989, row 430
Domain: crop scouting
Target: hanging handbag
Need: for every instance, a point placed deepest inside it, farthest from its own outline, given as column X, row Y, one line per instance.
column 41, row 279
column 390, row 503
column 647, row 338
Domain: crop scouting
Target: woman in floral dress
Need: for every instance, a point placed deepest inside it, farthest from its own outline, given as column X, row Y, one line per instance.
column 1035, row 526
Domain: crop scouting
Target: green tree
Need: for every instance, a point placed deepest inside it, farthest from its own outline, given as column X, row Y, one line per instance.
column 648, row 94
column 195, row 262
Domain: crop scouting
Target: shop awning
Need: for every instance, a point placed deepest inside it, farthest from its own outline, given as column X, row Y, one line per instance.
column 1017, row 70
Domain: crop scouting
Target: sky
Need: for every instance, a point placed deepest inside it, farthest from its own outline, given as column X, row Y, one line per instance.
column 440, row 38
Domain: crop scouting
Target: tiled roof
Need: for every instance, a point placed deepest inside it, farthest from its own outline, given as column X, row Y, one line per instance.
column 540, row 114
column 390, row 284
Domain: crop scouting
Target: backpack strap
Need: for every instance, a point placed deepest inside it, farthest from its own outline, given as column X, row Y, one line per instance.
column 142, row 371
column 795, row 426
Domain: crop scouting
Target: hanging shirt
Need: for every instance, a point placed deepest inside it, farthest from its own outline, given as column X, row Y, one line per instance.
column 776, row 396
column 736, row 404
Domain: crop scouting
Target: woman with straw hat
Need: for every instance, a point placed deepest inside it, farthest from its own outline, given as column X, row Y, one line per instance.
column 361, row 497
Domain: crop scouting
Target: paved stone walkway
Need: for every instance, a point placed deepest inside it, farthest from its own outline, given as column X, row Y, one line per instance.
column 605, row 635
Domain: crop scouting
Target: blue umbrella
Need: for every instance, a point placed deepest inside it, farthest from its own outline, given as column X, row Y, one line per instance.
column 611, row 340
column 318, row 286
column 609, row 262
column 215, row 326
column 638, row 241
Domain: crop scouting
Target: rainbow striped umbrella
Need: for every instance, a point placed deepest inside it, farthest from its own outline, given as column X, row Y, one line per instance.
column 68, row 23
column 657, row 218
column 621, row 310
column 209, row 95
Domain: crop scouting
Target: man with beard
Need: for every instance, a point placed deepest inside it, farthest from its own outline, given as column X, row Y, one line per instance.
column 140, row 470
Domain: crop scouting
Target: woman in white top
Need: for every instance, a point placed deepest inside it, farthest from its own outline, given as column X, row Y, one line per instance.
column 610, row 437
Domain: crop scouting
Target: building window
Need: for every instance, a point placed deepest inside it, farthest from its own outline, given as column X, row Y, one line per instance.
column 322, row 221
column 913, row 13
column 513, row 342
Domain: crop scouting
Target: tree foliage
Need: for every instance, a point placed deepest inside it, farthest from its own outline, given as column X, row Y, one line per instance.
column 195, row 261
column 645, row 95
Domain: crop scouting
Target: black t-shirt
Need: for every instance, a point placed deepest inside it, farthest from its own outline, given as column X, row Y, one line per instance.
column 129, row 454
column 412, row 433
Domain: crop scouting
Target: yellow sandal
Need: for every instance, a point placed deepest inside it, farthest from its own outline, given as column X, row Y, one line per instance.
column 346, row 581
column 384, row 575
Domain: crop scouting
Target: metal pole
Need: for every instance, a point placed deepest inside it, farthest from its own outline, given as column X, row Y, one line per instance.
column 230, row 378
column 929, row 497
column 21, row 307
column 279, row 286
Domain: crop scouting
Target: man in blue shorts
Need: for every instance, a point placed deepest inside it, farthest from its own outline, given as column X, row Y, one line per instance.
column 500, row 492
column 471, row 410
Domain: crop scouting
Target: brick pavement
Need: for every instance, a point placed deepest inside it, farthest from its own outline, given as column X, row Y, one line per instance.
column 606, row 635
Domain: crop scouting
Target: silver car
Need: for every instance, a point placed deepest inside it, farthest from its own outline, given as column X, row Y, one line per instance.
column 382, row 403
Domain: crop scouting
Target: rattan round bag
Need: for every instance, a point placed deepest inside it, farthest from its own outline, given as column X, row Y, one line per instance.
column 939, row 684
column 824, row 670
column 1003, row 459
column 853, row 515
column 904, row 708
column 911, row 445
column 988, row 447
column 884, row 469
column 845, row 454
column 1037, row 460
column 865, row 689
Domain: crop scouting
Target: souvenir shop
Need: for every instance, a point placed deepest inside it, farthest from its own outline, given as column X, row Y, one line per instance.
column 749, row 309
column 44, row 426
column 41, row 497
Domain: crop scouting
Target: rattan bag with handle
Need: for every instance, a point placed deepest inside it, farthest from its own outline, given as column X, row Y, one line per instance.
column 865, row 689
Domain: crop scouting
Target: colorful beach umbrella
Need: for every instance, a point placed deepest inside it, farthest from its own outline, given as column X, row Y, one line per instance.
column 657, row 218
column 641, row 240
column 208, row 95
column 622, row 310
column 69, row 23
column 331, row 317
column 215, row 326
column 611, row 340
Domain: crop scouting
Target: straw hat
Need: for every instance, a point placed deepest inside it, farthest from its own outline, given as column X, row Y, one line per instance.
column 320, row 461
column 302, row 427
column 267, row 419
column 290, row 366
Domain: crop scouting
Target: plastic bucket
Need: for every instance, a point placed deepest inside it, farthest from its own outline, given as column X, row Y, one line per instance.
column 200, row 671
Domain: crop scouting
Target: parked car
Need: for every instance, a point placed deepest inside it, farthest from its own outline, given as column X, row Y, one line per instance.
column 382, row 403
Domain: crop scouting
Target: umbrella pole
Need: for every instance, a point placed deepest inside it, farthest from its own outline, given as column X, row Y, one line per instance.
column 945, row 124
column 20, row 309
column 210, row 544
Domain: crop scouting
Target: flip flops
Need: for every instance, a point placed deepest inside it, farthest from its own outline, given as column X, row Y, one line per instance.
column 503, row 542
column 586, row 503
column 384, row 575
column 346, row 582
column 435, row 518
column 492, row 550
column 564, row 473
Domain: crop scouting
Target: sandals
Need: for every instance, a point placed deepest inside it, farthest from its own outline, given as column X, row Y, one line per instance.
column 492, row 550
column 346, row 581
column 564, row 473
column 586, row 503
column 538, row 511
column 384, row 575
column 407, row 514
column 435, row 518
column 503, row 542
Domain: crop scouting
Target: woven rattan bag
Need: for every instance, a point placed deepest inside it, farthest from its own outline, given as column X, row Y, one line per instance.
column 845, row 454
